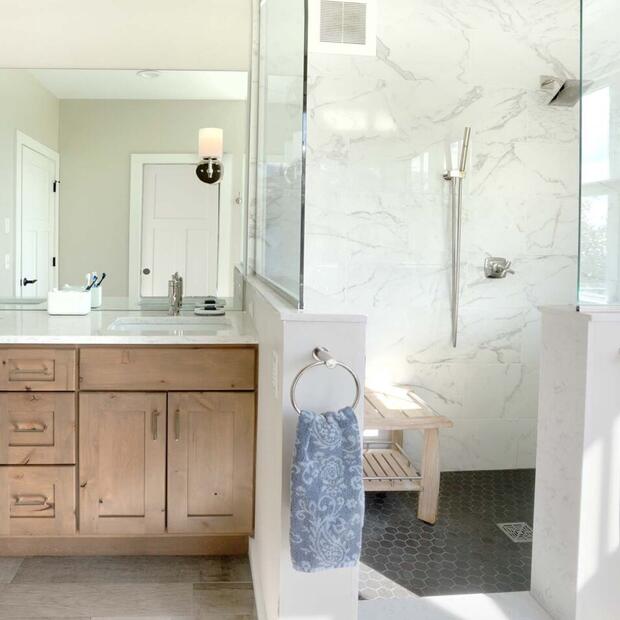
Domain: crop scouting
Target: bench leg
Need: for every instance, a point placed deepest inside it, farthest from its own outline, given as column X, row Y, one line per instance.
column 429, row 495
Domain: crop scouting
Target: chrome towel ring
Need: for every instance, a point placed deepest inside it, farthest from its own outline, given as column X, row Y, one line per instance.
column 323, row 358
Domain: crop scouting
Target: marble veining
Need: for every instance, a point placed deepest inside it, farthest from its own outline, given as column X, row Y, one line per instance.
column 380, row 132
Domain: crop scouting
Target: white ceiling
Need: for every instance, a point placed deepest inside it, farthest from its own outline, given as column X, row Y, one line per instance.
column 123, row 34
column 126, row 84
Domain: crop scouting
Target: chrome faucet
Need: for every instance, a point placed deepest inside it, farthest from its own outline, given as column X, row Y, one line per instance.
column 175, row 294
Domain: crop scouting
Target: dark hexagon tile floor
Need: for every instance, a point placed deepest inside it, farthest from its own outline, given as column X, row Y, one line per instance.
column 464, row 551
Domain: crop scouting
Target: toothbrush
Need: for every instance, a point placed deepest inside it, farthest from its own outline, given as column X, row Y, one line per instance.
column 92, row 283
column 101, row 280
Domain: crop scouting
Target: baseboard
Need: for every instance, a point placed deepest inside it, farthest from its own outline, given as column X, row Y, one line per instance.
column 126, row 545
column 259, row 599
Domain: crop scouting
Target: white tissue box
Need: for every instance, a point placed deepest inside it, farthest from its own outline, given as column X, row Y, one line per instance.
column 70, row 302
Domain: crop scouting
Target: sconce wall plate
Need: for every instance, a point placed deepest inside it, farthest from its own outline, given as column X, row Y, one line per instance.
column 210, row 171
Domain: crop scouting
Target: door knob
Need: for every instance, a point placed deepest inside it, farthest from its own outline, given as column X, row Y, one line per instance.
column 146, row 271
column 26, row 282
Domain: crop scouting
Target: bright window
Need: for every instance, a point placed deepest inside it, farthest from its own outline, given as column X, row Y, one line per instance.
column 595, row 136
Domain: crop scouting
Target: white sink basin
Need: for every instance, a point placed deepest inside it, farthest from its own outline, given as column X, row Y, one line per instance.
column 169, row 323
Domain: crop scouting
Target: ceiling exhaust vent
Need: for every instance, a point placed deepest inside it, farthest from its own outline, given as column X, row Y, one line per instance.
column 337, row 27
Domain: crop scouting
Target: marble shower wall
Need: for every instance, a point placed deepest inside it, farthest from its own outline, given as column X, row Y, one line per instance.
column 380, row 132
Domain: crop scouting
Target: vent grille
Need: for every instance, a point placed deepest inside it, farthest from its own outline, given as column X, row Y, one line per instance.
column 517, row 532
column 343, row 22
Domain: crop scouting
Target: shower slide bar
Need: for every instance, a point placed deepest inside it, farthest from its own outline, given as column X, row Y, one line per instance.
column 455, row 177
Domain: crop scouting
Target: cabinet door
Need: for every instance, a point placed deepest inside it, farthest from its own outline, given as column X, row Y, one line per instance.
column 122, row 463
column 211, row 462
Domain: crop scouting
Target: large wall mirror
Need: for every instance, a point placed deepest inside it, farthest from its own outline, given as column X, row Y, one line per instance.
column 99, row 175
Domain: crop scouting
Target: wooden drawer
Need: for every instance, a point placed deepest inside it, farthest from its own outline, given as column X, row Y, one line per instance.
column 162, row 369
column 37, row 501
column 49, row 370
column 37, row 429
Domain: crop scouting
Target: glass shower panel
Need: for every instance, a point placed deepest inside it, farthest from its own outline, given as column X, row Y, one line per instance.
column 600, row 155
column 279, row 208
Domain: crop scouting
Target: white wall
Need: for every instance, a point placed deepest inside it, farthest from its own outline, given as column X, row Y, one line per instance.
column 266, row 544
column 116, row 34
column 377, row 234
column 576, row 548
column 97, row 138
column 289, row 337
column 27, row 107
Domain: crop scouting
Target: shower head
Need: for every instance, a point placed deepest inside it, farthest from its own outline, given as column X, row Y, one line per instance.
column 465, row 149
column 564, row 93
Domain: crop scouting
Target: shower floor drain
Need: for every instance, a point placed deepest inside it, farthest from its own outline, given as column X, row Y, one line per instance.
column 517, row 532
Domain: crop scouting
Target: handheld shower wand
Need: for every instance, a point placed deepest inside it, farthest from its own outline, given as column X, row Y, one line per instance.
column 456, row 179
column 465, row 150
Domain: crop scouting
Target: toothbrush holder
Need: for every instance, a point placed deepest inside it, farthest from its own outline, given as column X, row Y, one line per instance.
column 96, row 296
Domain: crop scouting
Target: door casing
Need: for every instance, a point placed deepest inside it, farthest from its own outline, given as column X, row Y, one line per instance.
column 138, row 161
column 22, row 140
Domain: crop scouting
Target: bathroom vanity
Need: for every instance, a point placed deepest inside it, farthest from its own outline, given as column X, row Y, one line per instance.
column 139, row 442
column 123, row 429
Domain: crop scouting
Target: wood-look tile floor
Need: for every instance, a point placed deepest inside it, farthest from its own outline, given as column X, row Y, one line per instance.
column 126, row 588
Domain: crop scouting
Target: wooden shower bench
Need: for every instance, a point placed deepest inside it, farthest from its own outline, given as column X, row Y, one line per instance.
column 386, row 466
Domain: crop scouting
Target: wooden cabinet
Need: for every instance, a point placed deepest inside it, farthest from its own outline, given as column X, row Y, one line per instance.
column 114, row 449
column 210, row 462
column 122, row 463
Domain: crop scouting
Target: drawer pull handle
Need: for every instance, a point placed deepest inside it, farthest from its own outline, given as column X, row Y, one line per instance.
column 154, row 430
column 34, row 427
column 32, row 500
column 177, row 425
column 32, row 371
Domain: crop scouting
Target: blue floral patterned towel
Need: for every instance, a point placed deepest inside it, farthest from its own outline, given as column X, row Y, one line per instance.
column 327, row 492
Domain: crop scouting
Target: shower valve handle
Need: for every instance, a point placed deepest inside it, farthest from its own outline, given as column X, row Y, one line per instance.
column 496, row 267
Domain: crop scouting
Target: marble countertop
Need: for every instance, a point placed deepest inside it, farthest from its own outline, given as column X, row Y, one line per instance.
column 19, row 327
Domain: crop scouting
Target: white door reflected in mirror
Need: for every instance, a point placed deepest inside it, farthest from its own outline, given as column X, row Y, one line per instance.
column 36, row 223
column 180, row 221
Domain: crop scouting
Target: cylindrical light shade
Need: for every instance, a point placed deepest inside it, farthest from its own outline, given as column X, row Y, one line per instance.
column 211, row 143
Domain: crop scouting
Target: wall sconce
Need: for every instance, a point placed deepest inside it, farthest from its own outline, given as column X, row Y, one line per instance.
column 211, row 149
